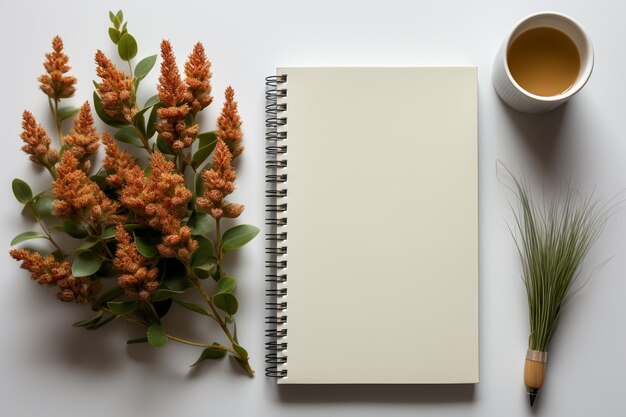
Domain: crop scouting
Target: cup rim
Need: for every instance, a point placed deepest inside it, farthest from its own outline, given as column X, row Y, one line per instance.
column 584, row 76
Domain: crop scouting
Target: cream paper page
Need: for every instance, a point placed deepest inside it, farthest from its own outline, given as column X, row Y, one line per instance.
column 382, row 225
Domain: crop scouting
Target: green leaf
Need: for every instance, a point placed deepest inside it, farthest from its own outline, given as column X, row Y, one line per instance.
column 226, row 284
column 206, row 145
column 227, row 302
column 122, row 308
column 115, row 35
column 86, row 263
column 108, row 233
column 152, row 120
column 101, row 323
column 238, row 236
column 137, row 341
column 120, row 15
column 108, row 270
column 44, row 205
column 156, row 336
column 172, row 274
column 165, row 294
column 240, row 350
column 88, row 243
column 22, row 237
column 116, row 22
column 210, row 353
column 199, row 183
column 144, row 66
column 127, row 47
column 192, row 306
column 145, row 247
column 97, row 105
column 201, row 224
column 152, row 101
column 21, row 191
column 124, row 30
column 89, row 321
column 203, row 253
column 67, row 112
column 128, row 134
column 163, row 146
column 77, row 231
column 111, row 17
column 204, row 271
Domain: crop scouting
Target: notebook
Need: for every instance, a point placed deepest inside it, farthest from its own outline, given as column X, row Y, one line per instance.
column 372, row 225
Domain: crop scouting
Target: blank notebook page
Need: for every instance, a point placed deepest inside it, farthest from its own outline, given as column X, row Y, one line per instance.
column 382, row 225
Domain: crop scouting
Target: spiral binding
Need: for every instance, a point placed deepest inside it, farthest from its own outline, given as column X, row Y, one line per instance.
column 276, row 221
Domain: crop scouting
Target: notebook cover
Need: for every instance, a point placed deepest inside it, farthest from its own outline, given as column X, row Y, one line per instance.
column 382, row 215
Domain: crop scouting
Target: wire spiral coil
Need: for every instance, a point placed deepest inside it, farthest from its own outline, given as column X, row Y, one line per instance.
column 276, row 221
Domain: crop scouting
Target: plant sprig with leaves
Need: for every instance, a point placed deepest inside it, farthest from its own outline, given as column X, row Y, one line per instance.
column 145, row 238
column 552, row 237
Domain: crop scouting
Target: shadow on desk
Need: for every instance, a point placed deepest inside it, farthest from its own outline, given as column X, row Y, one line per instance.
column 379, row 393
column 541, row 132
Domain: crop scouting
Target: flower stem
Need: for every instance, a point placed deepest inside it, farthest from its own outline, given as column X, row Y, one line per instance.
column 144, row 139
column 218, row 249
column 58, row 120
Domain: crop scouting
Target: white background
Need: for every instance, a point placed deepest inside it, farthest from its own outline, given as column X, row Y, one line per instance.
column 49, row 368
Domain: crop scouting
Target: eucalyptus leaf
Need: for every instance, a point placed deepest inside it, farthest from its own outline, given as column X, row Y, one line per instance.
column 88, row 243
column 22, row 237
column 144, row 66
column 21, row 190
column 210, row 353
column 152, row 120
column 240, row 350
column 86, row 263
column 44, row 205
column 156, row 336
column 163, row 146
column 201, row 224
column 100, row 323
column 227, row 302
column 145, row 247
column 165, row 294
column 89, row 321
column 108, row 233
column 206, row 145
column 128, row 134
column 127, row 47
column 203, row 253
column 67, row 112
column 152, row 101
column 97, row 105
column 226, row 284
column 77, row 231
column 115, row 35
column 122, row 308
column 192, row 306
column 204, row 271
column 238, row 236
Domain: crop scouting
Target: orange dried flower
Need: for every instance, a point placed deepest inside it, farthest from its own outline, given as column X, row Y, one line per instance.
column 173, row 127
column 53, row 83
column 218, row 183
column 118, row 164
column 198, row 72
column 116, row 91
column 77, row 196
column 49, row 271
column 229, row 124
column 137, row 279
column 178, row 245
column 161, row 197
column 37, row 141
column 83, row 139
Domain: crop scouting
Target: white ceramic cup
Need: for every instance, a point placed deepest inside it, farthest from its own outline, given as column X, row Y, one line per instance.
column 512, row 93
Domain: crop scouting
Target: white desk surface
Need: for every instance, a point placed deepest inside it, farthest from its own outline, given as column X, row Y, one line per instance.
column 52, row 369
